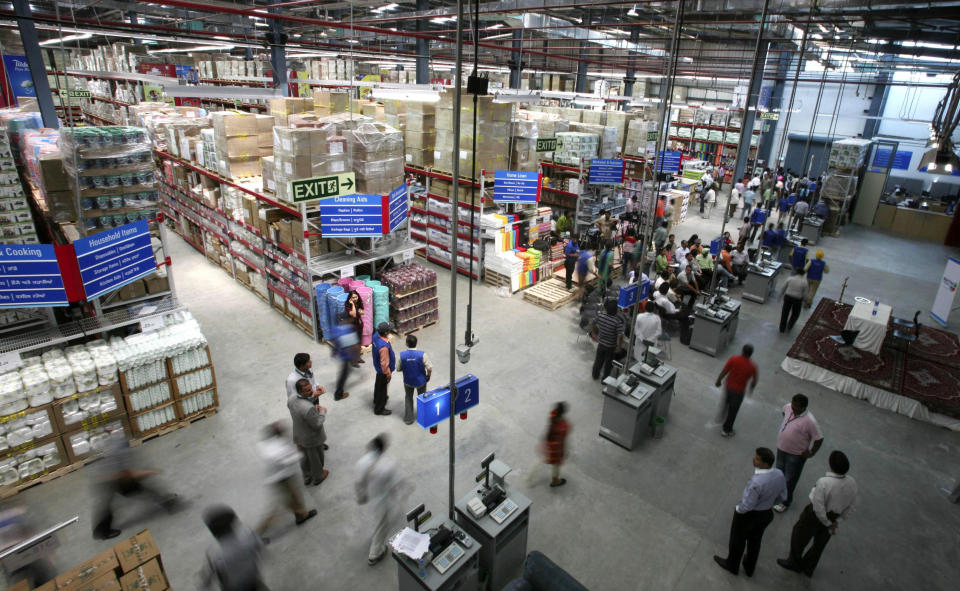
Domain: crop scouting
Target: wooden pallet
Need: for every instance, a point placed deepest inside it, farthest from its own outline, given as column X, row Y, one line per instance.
column 551, row 294
column 422, row 326
column 173, row 427
column 494, row 279
column 9, row 491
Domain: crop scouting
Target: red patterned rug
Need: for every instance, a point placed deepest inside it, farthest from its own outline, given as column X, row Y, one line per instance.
column 929, row 372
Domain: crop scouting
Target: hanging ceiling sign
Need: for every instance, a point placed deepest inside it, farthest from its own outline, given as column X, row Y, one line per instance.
column 109, row 260
column 312, row 189
column 354, row 216
column 606, row 171
column 510, row 186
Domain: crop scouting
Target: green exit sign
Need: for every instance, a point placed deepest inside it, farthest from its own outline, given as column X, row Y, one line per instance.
column 75, row 93
column 770, row 116
column 546, row 144
column 305, row 190
column 652, row 136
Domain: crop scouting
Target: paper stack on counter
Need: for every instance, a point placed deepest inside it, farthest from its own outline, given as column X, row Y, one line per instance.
column 411, row 543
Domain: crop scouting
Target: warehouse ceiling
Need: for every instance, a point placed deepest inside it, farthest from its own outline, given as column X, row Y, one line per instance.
column 849, row 41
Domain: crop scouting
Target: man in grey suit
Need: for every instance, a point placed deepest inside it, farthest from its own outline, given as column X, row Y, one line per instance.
column 308, row 418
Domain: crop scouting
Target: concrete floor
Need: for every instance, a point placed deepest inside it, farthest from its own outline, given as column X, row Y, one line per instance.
column 650, row 519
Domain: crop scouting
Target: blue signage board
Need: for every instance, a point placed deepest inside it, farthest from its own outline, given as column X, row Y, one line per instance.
column 352, row 216
column 511, row 186
column 18, row 72
column 606, row 171
column 433, row 407
column 398, row 206
column 670, row 161
column 30, row 277
column 881, row 159
column 645, row 287
column 109, row 260
column 629, row 295
column 715, row 245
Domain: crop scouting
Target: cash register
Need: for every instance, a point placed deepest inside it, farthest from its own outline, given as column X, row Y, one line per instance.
column 650, row 365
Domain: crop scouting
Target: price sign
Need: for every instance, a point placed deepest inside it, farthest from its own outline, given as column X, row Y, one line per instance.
column 346, row 271
column 10, row 361
column 150, row 324
column 408, row 256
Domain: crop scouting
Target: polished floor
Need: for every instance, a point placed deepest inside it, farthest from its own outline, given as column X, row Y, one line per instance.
column 648, row 519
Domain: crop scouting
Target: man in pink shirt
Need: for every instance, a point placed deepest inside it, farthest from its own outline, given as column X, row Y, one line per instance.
column 798, row 429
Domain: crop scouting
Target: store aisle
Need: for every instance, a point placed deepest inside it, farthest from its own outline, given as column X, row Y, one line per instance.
column 651, row 519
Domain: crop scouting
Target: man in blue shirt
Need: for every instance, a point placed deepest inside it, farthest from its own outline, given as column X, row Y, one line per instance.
column 769, row 237
column 416, row 370
column 821, row 210
column 753, row 513
column 571, row 253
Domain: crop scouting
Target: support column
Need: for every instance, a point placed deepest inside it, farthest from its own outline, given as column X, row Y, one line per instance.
column 879, row 101
column 776, row 104
column 423, row 49
column 581, row 85
column 38, row 70
column 278, row 55
column 516, row 63
column 630, row 78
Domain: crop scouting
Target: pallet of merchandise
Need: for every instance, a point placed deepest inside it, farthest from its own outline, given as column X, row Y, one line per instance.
column 171, row 427
column 421, row 327
column 494, row 279
column 173, row 374
column 14, row 489
column 126, row 387
column 551, row 294
column 143, row 434
column 180, row 382
column 184, row 404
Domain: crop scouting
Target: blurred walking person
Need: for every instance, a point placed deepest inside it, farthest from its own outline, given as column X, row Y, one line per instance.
column 376, row 486
column 555, row 442
column 282, row 460
column 235, row 561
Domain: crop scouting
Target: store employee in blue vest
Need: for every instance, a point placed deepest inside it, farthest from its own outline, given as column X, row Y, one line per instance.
column 798, row 258
column 385, row 362
column 815, row 270
column 416, row 370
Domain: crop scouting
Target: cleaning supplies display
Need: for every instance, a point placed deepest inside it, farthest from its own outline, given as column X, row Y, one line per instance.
column 414, row 302
column 16, row 219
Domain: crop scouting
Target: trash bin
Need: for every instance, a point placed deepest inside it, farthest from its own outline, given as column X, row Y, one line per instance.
column 658, row 424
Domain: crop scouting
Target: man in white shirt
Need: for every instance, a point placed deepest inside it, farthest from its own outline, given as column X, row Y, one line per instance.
column 734, row 202
column 282, row 462
column 680, row 254
column 739, row 186
column 739, row 259
column 646, row 328
column 754, row 183
column 832, row 499
column 377, row 482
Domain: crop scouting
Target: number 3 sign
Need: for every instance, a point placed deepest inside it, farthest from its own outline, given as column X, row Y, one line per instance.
column 433, row 407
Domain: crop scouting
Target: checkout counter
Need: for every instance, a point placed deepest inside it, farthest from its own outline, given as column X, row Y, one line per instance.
column 761, row 280
column 812, row 228
column 498, row 517
column 633, row 400
column 451, row 563
column 716, row 324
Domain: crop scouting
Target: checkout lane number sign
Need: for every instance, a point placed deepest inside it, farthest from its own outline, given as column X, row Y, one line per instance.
column 433, row 407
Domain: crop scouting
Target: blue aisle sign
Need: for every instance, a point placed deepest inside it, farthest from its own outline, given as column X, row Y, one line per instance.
column 606, row 171
column 670, row 161
column 109, row 260
column 645, row 289
column 881, row 159
column 398, row 206
column 629, row 295
column 511, row 186
column 715, row 246
column 352, row 216
column 30, row 277
column 433, row 407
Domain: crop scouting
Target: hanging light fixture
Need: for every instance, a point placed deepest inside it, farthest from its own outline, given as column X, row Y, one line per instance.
column 941, row 156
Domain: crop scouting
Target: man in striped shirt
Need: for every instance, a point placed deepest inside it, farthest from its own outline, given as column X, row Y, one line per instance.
column 607, row 330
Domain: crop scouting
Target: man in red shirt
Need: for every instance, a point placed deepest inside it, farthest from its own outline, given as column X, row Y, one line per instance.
column 739, row 371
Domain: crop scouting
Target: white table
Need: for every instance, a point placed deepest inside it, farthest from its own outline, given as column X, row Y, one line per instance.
column 873, row 329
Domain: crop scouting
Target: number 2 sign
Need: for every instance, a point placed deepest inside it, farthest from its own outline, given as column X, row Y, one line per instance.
column 433, row 407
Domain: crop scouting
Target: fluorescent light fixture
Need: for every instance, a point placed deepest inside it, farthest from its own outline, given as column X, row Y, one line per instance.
column 633, row 11
column 78, row 37
column 385, row 7
column 221, row 37
column 261, row 24
column 823, row 28
column 496, row 26
column 406, row 94
column 354, row 41
column 189, row 49
column 444, row 19
column 615, row 32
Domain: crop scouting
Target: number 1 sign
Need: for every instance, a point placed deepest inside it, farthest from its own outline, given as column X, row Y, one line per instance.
column 433, row 407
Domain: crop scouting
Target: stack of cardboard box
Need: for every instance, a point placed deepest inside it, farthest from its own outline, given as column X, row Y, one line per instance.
column 641, row 138
column 237, row 144
column 524, row 155
column 395, row 114
column 326, row 102
column 573, row 147
column 376, row 150
column 306, row 152
column 132, row 565
column 282, row 108
column 492, row 135
column 420, row 135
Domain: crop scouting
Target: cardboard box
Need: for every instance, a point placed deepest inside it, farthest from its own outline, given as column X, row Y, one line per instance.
column 132, row 291
column 53, row 176
column 136, row 550
column 73, row 443
column 98, row 566
column 157, row 283
column 146, row 577
column 238, row 147
column 23, row 585
column 107, row 582
column 100, row 406
column 242, row 167
column 228, row 124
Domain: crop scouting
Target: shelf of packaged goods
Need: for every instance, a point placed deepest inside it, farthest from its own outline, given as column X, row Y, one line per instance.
column 246, row 261
column 560, row 192
column 443, row 216
column 104, row 99
column 395, row 309
column 447, row 232
column 416, row 291
column 275, row 257
column 420, row 210
column 461, row 203
column 234, row 82
column 424, row 313
column 561, row 167
column 228, row 182
column 446, row 265
column 465, row 255
column 416, row 224
column 418, row 236
column 150, row 296
column 99, row 118
column 244, row 242
column 232, row 104
column 191, row 242
column 179, row 205
column 287, row 297
column 438, row 175
column 296, row 287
